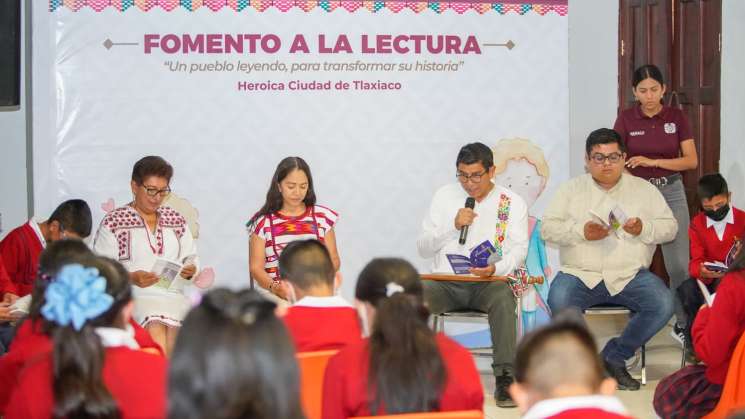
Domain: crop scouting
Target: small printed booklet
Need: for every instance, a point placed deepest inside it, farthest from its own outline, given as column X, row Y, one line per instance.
column 167, row 271
column 612, row 218
column 718, row 266
column 481, row 256
column 709, row 297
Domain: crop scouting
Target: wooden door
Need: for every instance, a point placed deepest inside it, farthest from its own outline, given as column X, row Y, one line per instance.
column 696, row 71
column 683, row 38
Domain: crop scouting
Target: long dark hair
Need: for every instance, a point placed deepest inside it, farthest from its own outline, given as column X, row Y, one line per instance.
column 273, row 201
column 79, row 390
column 407, row 373
column 233, row 359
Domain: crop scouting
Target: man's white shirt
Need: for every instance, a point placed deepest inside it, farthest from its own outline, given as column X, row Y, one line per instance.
column 440, row 238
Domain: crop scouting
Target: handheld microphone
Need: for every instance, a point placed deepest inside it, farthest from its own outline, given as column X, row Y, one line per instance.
column 470, row 203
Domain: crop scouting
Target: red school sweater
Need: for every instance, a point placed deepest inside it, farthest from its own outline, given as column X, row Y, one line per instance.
column 705, row 244
column 345, row 386
column 135, row 379
column 718, row 328
column 322, row 328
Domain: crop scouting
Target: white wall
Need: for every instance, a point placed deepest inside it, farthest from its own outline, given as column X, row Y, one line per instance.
column 732, row 163
column 13, row 179
column 593, row 73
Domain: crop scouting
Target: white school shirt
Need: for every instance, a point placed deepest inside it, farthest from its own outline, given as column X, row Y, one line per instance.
column 552, row 407
column 721, row 225
column 439, row 236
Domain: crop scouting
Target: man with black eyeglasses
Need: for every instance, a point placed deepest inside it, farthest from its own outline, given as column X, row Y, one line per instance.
column 498, row 216
column 607, row 224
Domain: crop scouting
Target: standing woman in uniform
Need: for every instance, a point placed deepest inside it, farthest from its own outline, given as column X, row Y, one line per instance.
column 661, row 146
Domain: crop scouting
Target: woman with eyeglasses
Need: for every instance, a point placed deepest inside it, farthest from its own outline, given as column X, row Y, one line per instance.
column 289, row 213
column 147, row 237
column 660, row 147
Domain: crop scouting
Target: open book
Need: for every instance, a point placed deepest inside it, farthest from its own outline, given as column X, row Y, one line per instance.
column 717, row 266
column 168, row 270
column 611, row 218
column 481, row 256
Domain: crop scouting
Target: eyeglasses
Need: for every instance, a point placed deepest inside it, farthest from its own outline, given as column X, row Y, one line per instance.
column 600, row 158
column 474, row 177
column 150, row 191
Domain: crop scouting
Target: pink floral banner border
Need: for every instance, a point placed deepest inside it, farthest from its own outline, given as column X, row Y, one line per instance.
column 542, row 8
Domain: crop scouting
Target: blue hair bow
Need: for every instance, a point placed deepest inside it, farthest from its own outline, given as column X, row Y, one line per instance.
column 76, row 294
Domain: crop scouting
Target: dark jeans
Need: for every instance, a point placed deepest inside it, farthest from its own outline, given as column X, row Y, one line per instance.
column 650, row 301
column 493, row 298
column 6, row 336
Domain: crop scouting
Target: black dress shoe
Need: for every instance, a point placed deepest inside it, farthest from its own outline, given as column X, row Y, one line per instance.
column 624, row 380
column 501, row 393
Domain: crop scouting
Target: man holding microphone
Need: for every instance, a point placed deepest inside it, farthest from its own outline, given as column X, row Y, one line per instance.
column 462, row 216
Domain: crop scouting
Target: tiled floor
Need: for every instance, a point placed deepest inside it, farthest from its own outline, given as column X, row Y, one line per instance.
column 663, row 358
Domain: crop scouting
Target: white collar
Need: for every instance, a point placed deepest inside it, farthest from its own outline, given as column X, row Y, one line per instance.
column 35, row 226
column 114, row 336
column 728, row 219
column 552, row 407
column 331, row 301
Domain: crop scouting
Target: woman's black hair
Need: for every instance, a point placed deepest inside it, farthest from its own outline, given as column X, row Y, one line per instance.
column 79, row 390
column 407, row 372
column 273, row 201
column 151, row 166
column 233, row 359
column 647, row 71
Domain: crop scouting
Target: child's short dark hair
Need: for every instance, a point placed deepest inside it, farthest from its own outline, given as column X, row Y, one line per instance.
column 306, row 263
column 561, row 353
column 712, row 185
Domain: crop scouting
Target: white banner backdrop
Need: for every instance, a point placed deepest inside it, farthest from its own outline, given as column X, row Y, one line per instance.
column 113, row 85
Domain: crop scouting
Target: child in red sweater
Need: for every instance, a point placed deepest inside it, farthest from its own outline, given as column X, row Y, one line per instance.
column 715, row 235
column 559, row 375
column 318, row 319
column 32, row 340
column 403, row 367
column 694, row 391
column 96, row 367
column 20, row 251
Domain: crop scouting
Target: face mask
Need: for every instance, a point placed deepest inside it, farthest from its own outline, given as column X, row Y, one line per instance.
column 719, row 214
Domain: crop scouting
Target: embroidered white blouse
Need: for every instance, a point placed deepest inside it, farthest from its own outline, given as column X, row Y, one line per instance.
column 124, row 236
